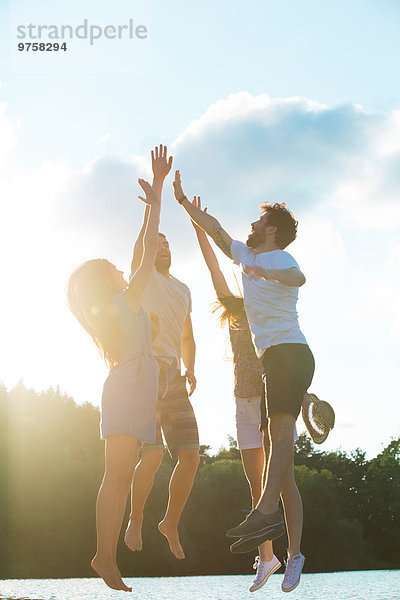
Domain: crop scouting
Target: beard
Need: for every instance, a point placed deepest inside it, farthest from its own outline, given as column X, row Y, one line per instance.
column 162, row 263
column 253, row 240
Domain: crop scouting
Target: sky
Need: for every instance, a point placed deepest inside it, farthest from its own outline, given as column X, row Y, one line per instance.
column 296, row 101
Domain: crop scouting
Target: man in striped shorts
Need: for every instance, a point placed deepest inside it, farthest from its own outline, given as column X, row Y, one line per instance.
column 169, row 300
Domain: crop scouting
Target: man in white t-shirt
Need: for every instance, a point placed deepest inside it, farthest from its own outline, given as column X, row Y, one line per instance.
column 169, row 302
column 271, row 278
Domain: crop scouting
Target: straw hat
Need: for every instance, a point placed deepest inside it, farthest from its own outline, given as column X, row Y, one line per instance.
column 318, row 417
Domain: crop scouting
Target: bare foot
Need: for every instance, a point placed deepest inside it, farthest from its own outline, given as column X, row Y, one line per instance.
column 133, row 536
column 171, row 533
column 109, row 574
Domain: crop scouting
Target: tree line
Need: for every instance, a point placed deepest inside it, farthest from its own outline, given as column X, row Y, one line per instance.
column 51, row 466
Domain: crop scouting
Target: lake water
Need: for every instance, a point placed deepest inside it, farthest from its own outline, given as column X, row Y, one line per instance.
column 349, row 585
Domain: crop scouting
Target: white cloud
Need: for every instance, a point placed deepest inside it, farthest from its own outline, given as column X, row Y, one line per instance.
column 370, row 197
column 294, row 150
column 336, row 167
column 242, row 151
column 242, row 106
column 387, row 138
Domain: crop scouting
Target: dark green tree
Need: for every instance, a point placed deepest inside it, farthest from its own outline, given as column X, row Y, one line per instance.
column 51, row 466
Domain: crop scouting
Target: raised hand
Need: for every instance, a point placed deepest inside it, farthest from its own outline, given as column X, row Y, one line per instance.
column 256, row 271
column 207, row 222
column 161, row 165
column 152, row 198
column 197, row 203
column 178, row 191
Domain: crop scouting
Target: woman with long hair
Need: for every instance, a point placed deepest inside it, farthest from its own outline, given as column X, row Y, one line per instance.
column 109, row 310
column 253, row 444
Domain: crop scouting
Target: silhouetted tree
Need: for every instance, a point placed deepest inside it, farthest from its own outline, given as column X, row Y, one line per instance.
column 51, row 465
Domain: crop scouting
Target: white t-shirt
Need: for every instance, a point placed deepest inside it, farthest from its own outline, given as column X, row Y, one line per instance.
column 270, row 305
column 170, row 300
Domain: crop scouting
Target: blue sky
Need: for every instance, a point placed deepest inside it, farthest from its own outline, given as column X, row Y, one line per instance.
column 295, row 101
column 331, row 52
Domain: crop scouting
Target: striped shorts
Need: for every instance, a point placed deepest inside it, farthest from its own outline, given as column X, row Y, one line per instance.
column 176, row 421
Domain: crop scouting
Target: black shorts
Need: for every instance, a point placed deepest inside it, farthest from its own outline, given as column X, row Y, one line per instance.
column 288, row 370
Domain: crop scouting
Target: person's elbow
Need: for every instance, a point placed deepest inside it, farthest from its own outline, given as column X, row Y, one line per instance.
column 294, row 277
column 187, row 337
column 301, row 279
column 188, row 341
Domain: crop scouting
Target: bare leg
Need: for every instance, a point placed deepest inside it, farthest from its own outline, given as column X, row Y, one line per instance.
column 120, row 459
column 180, row 485
column 281, row 427
column 142, row 483
column 253, row 461
column 293, row 507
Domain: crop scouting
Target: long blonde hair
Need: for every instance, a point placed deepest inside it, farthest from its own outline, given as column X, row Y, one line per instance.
column 231, row 310
column 89, row 294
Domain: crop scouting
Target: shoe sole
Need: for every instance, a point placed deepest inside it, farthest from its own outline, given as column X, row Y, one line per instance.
column 249, row 543
column 254, row 533
column 292, row 588
column 275, row 568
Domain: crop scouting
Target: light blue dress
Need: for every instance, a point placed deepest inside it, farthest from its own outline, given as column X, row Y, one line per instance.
column 128, row 404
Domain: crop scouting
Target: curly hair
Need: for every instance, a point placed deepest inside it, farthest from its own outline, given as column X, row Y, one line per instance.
column 283, row 220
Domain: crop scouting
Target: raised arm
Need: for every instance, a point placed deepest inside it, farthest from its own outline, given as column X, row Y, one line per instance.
column 219, row 282
column 138, row 281
column 208, row 223
column 161, row 166
column 138, row 247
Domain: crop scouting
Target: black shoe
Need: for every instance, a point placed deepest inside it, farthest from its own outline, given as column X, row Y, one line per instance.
column 256, row 523
column 250, row 543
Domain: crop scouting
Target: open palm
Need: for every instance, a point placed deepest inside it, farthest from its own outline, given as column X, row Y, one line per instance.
column 160, row 163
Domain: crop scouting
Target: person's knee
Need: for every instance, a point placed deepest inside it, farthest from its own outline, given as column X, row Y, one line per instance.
column 189, row 459
column 118, row 479
column 281, row 427
column 150, row 461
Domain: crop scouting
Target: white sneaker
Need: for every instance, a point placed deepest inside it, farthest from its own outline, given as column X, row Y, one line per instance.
column 264, row 570
column 294, row 567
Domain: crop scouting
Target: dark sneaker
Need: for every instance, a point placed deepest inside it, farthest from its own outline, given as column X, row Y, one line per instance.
column 257, row 523
column 251, row 542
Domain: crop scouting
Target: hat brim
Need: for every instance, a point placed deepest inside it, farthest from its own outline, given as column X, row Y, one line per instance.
column 319, row 418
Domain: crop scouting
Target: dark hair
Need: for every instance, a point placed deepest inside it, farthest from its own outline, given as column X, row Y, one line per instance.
column 232, row 310
column 89, row 298
column 283, row 220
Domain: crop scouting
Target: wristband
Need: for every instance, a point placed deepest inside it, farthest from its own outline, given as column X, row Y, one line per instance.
column 181, row 199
